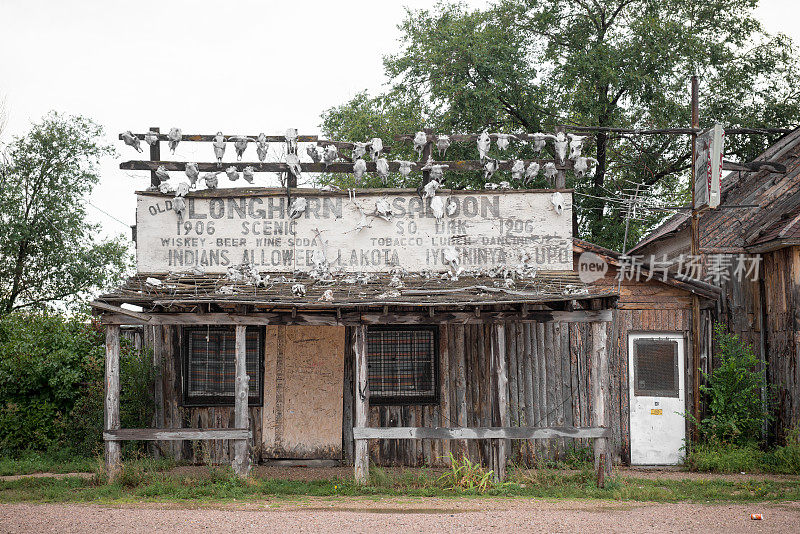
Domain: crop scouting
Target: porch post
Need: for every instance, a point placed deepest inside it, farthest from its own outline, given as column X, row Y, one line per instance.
column 599, row 378
column 241, row 448
column 113, row 452
column 500, row 395
column 361, row 392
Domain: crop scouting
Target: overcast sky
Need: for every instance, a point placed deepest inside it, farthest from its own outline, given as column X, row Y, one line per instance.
column 236, row 66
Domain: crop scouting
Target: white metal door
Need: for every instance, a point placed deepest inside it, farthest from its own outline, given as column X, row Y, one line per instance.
column 656, row 379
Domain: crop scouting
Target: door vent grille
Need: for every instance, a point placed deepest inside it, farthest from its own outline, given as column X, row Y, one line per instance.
column 655, row 368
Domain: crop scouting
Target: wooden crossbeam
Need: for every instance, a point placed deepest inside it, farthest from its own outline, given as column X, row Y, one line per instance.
column 230, row 138
column 273, row 166
column 175, row 434
column 514, row 432
column 355, row 318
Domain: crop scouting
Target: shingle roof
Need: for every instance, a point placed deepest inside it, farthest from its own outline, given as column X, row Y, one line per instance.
column 773, row 195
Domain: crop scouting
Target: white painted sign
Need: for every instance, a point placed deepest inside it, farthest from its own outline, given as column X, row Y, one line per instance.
column 483, row 230
column 708, row 167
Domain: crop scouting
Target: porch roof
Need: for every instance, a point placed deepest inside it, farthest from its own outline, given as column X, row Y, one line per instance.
column 181, row 289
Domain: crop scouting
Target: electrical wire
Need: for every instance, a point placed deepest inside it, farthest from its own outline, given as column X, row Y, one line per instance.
column 126, row 225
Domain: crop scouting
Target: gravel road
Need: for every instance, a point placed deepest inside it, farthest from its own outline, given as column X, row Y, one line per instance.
column 355, row 515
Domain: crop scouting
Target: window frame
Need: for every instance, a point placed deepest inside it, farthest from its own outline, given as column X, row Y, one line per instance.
column 402, row 400
column 199, row 401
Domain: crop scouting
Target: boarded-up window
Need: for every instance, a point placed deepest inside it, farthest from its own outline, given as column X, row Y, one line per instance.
column 655, row 368
column 402, row 365
column 210, row 365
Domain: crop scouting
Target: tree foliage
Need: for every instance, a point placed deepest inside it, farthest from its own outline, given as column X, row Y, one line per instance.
column 526, row 66
column 52, row 383
column 49, row 252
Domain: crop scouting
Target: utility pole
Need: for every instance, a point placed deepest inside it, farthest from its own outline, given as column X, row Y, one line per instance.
column 695, row 251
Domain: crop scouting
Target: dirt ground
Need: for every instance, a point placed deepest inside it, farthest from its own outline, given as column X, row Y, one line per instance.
column 370, row 515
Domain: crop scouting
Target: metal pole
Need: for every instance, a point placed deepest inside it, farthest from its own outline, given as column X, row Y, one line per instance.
column 695, row 250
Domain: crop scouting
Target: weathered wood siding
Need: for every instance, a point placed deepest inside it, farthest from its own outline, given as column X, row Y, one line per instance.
column 781, row 277
column 548, row 385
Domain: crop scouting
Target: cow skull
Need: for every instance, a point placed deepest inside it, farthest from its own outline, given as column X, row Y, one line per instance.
column 582, row 165
column 132, row 140
column 359, row 168
column 174, row 137
column 248, row 174
column 233, row 173
column 484, row 143
column 575, row 145
column 518, row 170
column 261, row 146
column 192, row 172
column 503, row 140
column 442, row 143
column 330, row 155
column 375, row 148
column 291, row 140
column 420, row 140
column 489, row 168
column 219, row 147
column 405, row 168
column 550, row 170
column 532, row 171
column 382, row 168
column 151, row 138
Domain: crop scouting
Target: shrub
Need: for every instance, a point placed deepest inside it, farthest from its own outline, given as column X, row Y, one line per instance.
column 786, row 459
column 725, row 458
column 733, row 389
column 52, row 384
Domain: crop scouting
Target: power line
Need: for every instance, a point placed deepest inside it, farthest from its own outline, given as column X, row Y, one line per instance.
column 126, row 225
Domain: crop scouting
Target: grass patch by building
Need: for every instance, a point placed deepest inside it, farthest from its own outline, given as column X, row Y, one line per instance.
column 147, row 481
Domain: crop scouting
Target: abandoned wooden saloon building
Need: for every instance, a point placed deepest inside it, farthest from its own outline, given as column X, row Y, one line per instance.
column 329, row 329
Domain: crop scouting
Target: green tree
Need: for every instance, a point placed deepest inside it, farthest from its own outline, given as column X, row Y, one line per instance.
column 49, row 252
column 526, row 66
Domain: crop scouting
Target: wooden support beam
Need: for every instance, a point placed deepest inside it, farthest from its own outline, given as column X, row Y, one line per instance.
column 561, row 176
column 514, row 432
column 228, row 137
column 327, row 318
column 175, row 434
column 500, row 397
column 113, row 451
column 361, row 392
column 342, row 167
column 142, row 318
column 600, row 385
column 241, row 458
column 155, row 155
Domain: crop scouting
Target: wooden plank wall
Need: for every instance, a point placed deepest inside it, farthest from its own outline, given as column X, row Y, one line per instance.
column 782, row 298
column 548, row 385
column 766, row 315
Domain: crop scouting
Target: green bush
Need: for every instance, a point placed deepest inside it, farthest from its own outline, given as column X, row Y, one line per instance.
column 52, row 384
column 736, row 412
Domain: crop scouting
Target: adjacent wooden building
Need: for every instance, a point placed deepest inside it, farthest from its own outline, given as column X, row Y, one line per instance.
column 757, row 225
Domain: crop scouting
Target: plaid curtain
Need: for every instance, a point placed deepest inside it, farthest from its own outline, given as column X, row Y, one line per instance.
column 212, row 363
column 401, row 363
